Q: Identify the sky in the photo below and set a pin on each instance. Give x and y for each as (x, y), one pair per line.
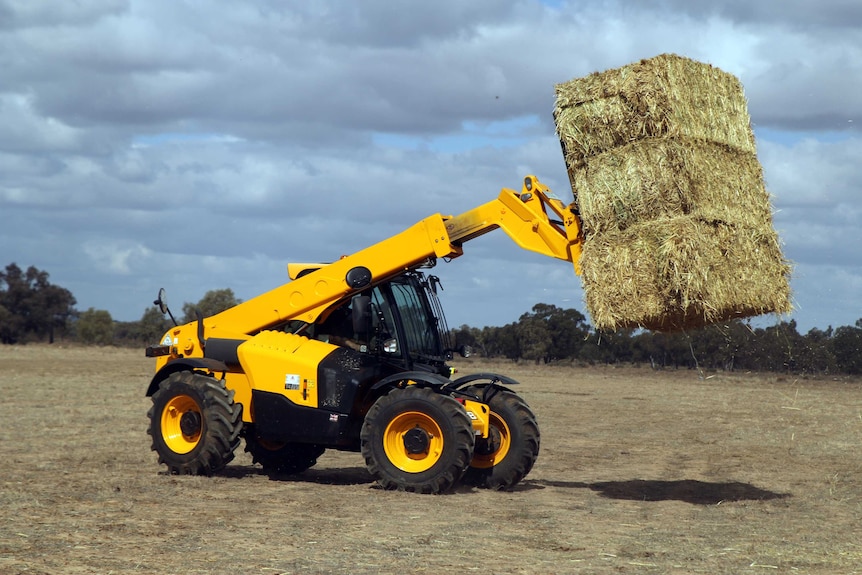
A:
(201, 144)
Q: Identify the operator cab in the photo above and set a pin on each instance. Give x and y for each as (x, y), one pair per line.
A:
(399, 321)
(407, 309)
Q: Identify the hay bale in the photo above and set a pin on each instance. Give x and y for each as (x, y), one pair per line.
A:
(670, 177)
(676, 216)
(681, 273)
(664, 96)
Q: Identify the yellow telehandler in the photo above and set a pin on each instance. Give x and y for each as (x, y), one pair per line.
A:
(352, 355)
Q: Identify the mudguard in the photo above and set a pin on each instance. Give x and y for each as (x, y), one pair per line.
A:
(492, 378)
(185, 364)
(420, 377)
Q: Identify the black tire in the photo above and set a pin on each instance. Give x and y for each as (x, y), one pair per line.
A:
(508, 454)
(415, 439)
(194, 423)
(281, 457)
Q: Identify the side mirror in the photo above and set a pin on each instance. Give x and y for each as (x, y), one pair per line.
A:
(361, 306)
(390, 346)
(463, 351)
(162, 302)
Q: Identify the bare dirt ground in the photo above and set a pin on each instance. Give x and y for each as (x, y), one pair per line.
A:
(639, 472)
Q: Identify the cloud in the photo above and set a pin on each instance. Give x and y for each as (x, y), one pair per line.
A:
(794, 14)
(26, 131)
(202, 146)
(115, 257)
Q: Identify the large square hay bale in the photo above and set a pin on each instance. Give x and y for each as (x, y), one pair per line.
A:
(663, 96)
(669, 177)
(679, 273)
(676, 217)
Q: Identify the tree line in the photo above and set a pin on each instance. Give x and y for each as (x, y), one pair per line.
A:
(34, 310)
(550, 334)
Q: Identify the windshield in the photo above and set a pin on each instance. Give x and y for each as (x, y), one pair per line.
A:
(420, 324)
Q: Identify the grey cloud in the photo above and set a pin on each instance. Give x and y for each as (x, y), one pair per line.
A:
(199, 147)
(28, 131)
(379, 23)
(182, 70)
(26, 14)
(796, 13)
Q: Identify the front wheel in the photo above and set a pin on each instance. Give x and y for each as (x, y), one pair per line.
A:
(194, 423)
(507, 455)
(415, 439)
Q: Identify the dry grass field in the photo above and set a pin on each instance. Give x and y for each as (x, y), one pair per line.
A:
(639, 472)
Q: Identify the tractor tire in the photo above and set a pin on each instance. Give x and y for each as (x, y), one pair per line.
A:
(507, 455)
(415, 439)
(281, 458)
(194, 423)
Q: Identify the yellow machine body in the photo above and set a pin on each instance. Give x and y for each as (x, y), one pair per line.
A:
(290, 388)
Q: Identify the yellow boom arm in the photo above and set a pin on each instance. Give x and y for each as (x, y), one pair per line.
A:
(534, 218)
(525, 218)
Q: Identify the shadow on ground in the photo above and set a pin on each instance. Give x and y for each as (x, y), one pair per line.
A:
(323, 476)
(687, 490)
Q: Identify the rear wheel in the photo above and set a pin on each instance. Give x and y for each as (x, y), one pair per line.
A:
(281, 457)
(415, 439)
(507, 455)
(194, 423)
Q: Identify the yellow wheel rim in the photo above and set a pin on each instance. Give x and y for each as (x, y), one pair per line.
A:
(486, 460)
(178, 408)
(416, 424)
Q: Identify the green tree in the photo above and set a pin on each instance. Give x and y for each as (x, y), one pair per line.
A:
(569, 330)
(152, 326)
(501, 341)
(816, 355)
(35, 307)
(10, 326)
(722, 346)
(661, 349)
(608, 347)
(95, 327)
(599, 348)
(148, 330)
(533, 338)
(775, 347)
(469, 336)
(847, 348)
(213, 302)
